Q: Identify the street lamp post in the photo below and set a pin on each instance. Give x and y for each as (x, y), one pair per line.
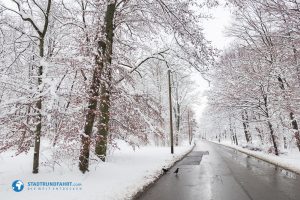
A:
(189, 128)
(171, 114)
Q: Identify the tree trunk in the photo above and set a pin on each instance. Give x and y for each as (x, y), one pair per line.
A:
(273, 138)
(104, 118)
(89, 119)
(189, 128)
(103, 129)
(235, 136)
(246, 126)
(232, 133)
(177, 116)
(292, 116)
(270, 125)
(260, 131)
(296, 129)
(294, 122)
(37, 139)
(260, 134)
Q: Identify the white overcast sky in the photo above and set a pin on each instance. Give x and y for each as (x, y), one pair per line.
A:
(214, 30)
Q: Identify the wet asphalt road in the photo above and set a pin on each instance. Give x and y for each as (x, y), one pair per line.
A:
(224, 174)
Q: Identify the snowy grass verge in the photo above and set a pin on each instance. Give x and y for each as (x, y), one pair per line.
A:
(290, 161)
(125, 175)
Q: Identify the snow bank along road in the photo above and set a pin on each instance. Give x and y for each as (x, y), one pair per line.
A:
(224, 174)
(127, 172)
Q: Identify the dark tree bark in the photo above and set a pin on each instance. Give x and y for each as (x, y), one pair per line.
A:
(177, 119)
(294, 122)
(232, 132)
(296, 129)
(273, 138)
(260, 134)
(90, 118)
(246, 126)
(92, 102)
(104, 118)
(236, 139)
(259, 130)
(99, 91)
(189, 128)
(37, 139)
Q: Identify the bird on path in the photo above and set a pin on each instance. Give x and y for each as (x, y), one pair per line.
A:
(165, 170)
(176, 171)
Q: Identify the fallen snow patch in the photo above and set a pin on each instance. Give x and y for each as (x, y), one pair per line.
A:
(125, 174)
(289, 160)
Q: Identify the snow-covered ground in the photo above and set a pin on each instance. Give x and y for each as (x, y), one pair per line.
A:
(289, 160)
(126, 173)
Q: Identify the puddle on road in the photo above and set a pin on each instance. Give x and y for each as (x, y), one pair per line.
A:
(194, 158)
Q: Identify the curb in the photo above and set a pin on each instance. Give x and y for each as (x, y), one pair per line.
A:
(148, 186)
(283, 166)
